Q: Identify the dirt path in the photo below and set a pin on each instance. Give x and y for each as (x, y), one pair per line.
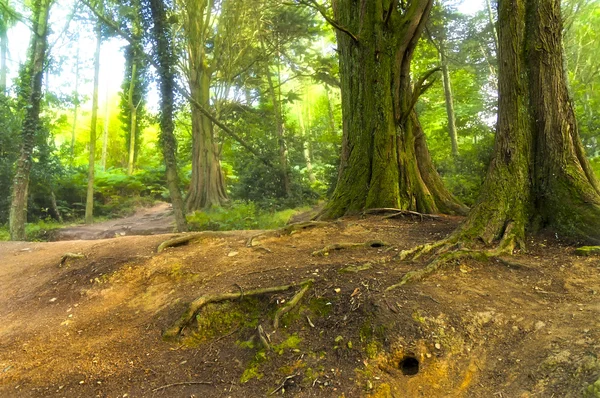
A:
(157, 219)
(91, 327)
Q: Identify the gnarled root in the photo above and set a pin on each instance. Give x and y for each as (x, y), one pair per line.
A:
(449, 250)
(396, 213)
(287, 230)
(341, 246)
(189, 237)
(195, 306)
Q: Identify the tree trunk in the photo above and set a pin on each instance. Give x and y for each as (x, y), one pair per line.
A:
(379, 164)
(105, 132)
(449, 99)
(305, 130)
(207, 185)
(37, 57)
(132, 115)
(539, 176)
(75, 109)
(3, 55)
(166, 73)
(279, 124)
(89, 203)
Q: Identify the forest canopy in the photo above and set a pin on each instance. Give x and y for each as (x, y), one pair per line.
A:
(239, 110)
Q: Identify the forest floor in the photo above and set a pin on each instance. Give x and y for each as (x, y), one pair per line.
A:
(91, 325)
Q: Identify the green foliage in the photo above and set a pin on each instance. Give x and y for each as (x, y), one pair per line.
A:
(239, 215)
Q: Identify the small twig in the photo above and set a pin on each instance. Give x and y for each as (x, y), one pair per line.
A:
(283, 384)
(184, 383)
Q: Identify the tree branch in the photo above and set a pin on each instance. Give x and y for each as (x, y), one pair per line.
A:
(316, 6)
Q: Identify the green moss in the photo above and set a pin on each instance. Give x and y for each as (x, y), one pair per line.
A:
(320, 306)
(291, 343)
(587, 251)
(252, 371)
(216, 320)
(593, 390)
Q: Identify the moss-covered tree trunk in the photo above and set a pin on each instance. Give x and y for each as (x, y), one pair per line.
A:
(379, 163)
(34, 73)
(166, 73)
(539, 176)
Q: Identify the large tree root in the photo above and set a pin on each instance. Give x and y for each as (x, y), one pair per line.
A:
(341, 246)
(397, 213)
(189, 237)
(450, 250)
(287, 230)
(195, 306)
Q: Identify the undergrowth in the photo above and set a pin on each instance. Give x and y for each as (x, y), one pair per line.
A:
(239, 216)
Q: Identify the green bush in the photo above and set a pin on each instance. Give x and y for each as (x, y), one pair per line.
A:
(239, 216)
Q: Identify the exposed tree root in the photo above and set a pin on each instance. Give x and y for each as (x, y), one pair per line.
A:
(401, 213)
(291, 304)
(196, 305)
(287, 230)
(68, 256)
(341, 246)
(187, 238)
(450, 250)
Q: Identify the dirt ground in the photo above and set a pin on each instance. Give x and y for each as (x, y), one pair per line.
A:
(92, 326)
(154, 220)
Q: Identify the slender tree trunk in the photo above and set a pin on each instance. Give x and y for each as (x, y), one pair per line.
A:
(305, 129)
(37, 57)
(132, 114)
(492, 23)
(3, 55)
(89, 203)
(279, 125)
(379, 161)
(166, 62)
(539, 176)
(55, 207)
(75, 109)
(449, 99)
(105, 132)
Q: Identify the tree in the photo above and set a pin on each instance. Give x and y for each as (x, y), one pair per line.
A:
(89, 203)
(384, 160)
(7, 18)
(33, 92)
(539, 175)
(161, 36)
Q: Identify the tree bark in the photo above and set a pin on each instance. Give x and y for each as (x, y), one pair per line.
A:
(89, 203)
(35, 72)
(539, 176)
(379, 162)
(166, 72)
